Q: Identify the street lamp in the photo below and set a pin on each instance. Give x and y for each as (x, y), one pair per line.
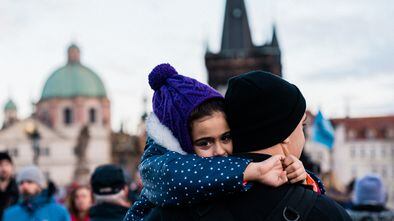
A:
(34, 136)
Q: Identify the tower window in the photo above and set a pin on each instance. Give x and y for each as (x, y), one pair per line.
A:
(68, 116)
(92, 115)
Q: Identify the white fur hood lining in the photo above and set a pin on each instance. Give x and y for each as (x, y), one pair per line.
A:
(162, 135)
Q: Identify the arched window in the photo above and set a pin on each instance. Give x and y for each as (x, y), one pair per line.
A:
(92, 115)
(67, 116)
(45, 117)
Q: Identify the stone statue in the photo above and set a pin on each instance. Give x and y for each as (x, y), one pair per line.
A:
(81, 173)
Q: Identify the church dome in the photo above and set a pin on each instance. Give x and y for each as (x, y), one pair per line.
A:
(73, 79)
(10, 105)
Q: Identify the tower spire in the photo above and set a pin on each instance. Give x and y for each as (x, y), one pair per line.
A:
(236, 32)
(274, 41)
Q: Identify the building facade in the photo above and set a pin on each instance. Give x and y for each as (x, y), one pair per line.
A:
(362, 145)
(69, 133)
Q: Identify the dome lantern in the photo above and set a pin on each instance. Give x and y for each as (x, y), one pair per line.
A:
(73, 54)
(73, 80)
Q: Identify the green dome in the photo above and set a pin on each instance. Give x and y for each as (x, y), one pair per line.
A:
(73, 80)
(10, 105)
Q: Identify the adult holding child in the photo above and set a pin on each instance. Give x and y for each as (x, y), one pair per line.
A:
(186, 160)
(266, 116)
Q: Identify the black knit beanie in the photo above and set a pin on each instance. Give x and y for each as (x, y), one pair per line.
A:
(262, 110)
(5, 156)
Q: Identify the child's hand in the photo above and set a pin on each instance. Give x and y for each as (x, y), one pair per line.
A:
(269, 172)
(294, 168)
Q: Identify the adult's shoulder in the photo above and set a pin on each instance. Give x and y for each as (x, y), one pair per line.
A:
(11, 212)
(256, 202)
(327, 209)
(13, 209)
(210, 210)
(56, 207)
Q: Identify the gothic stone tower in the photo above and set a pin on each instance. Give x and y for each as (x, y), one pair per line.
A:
(238, 54)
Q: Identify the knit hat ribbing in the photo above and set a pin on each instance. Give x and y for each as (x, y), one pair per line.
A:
(175, 97)
(262, 110)
(5, 156)
(31, 173)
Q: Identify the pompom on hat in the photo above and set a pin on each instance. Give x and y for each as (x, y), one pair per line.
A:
(160, 74)
(175, 97)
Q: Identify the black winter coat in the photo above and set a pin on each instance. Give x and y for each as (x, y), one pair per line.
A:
(9, 196)
(255, 204)
(107, 212)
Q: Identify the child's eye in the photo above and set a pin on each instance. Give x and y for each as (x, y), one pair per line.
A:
(226, 137)
(202, 143)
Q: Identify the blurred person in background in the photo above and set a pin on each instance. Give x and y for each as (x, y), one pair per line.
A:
(8, 187)
(79, 203)
(36, 202)
(369, 200)
(110, 193)
(336, 191)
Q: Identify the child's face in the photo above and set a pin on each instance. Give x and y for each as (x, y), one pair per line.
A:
(211, 136)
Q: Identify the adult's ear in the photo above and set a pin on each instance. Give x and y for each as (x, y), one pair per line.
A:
(286, 141)
(285, 146)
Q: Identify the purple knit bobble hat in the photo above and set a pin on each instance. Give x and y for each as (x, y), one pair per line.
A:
(174, 98)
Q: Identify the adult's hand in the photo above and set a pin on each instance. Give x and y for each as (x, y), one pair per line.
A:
(294, 168)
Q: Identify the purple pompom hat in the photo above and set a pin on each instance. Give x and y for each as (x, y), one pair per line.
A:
(175, 97)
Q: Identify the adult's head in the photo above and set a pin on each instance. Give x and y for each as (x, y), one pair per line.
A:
(31, 181)
(6, 166)
(175, 98)
(80, 200)
(369, 190)
(109, 184)
(264, 111)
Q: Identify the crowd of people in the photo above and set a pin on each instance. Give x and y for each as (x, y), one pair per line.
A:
(28, 196)
(195, 167)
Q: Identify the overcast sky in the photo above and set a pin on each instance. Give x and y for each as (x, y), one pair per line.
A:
(340, 53)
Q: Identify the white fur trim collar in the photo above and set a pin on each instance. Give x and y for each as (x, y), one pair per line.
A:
(162, 134)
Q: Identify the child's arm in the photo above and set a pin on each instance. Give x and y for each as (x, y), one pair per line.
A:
(139, 209)
(170, 178)
(173, 179)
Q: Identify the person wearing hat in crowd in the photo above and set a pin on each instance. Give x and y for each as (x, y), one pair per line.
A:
(80, 200)
(188, 132)
(266, 116)
(110, 193)
(8, 187)
(369, 200)
(36, 203)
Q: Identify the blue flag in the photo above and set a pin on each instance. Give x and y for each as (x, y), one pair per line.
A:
(322, 131)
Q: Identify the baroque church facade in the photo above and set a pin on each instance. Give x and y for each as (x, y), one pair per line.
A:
(69, 132)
